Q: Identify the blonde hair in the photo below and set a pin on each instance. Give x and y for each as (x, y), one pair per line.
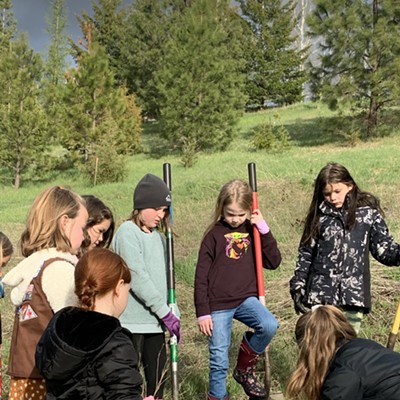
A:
(234, 191)
(319, 334)
(98, 272)
(6, 247)
(43, 228)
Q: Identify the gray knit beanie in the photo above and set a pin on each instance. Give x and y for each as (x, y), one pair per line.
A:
(151, 192)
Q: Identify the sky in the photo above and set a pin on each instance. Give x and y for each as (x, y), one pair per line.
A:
(31, 16)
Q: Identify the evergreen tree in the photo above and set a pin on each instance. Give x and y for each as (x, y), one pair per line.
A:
(359, 58)
(100, 114)
(53, 83)
(274, 64)
(111, 27)
(149, 22)
(7, 25)
(200, 79)
(23, 133)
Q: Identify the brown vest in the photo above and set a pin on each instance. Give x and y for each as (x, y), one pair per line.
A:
(30, 321)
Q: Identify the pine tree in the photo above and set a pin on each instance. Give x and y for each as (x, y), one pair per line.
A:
(149, 22)
(23, 133)
(100, 114)
(274, 64)
(359, 58)
(111, 27)
(53, 83)
(200, 79)
(7, 25)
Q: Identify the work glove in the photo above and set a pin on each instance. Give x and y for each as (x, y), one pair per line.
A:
(173, 324)
(298, 305)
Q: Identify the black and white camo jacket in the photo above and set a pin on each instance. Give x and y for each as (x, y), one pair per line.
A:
(334, 268)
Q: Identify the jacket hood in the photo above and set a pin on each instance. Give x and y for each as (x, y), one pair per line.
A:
(73, 338)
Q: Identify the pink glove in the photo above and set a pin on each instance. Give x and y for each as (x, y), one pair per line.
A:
(173, 324)
(149, 398)
(262, 227)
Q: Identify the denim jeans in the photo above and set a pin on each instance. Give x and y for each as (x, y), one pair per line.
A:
(251, 313)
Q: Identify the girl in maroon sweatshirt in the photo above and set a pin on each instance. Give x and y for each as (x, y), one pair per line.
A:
(226, 288)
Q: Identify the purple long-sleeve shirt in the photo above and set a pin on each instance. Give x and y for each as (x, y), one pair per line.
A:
(226, 272)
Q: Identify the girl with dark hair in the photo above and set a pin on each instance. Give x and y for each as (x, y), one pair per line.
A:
(343, 225)
(100, 225)
(85, 353)
(336, 365)
(6, 251)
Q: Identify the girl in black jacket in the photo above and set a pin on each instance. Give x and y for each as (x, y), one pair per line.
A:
(336, 365)
(84, 352)
(343, 227)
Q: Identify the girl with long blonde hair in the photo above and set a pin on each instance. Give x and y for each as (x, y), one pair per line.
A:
(226, 289)
(43, 282)
(334, 364)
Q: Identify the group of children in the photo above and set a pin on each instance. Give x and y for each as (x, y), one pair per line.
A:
(88, 317)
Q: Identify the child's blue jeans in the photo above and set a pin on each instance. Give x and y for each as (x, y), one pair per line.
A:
(251, 313)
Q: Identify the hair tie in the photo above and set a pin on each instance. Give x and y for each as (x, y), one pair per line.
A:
(313, 308)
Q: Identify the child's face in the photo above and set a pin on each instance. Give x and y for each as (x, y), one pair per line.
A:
(97, 231)
(335, 193)
(74, 229)
(4, 262)
(151, 217)
(234, 215)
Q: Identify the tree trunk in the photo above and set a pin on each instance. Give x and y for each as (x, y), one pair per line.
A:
(372, 117)
(17, 178)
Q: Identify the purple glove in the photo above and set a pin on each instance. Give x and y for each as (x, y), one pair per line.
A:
(173, 325)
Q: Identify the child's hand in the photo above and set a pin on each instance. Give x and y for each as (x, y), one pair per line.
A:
(257, 219)
(256, 216)
(205, 324)
(173, 324)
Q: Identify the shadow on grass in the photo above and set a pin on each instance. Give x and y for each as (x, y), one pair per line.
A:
(305, 131)
(314, 132)
(337, 129)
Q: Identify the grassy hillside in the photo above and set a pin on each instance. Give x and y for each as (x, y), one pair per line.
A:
(284, 185)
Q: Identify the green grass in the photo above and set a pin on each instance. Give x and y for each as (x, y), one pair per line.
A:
(284, 185)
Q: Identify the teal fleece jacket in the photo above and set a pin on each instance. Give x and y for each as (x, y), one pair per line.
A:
(145, 254)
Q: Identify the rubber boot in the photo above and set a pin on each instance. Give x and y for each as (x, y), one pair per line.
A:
(216, 398)
(244, 371)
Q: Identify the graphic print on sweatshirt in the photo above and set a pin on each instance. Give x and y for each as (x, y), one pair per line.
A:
(237, 244)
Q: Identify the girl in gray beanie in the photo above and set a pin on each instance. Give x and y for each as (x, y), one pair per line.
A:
(141, 243)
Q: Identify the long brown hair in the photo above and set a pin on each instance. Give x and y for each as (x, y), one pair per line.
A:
(98, 272)
(98, 212)
(335, 173)
(234, 191)
(43, 227)
(319, 334)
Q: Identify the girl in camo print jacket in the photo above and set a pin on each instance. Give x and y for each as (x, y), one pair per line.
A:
(343, 225)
